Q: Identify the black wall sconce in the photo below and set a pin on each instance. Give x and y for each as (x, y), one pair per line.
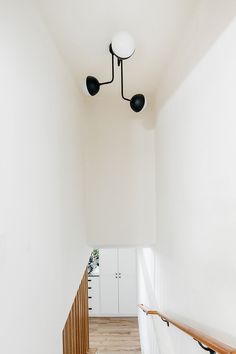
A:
(122, 47)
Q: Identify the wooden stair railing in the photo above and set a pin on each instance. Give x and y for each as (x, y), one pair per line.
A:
(76, 330)
(206, 342)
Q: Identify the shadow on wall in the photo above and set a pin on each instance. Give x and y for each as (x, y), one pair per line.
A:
(119, 172)
(154, 335)
(149, 115)
(106, 102)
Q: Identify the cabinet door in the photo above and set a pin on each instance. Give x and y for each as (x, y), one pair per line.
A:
(108, 281)
(127, 281)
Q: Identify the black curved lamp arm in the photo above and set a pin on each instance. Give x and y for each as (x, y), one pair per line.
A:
(112, 70)
(122, 85)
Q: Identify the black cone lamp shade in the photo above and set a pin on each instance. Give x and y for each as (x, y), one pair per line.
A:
(137, 102)
(92, 85)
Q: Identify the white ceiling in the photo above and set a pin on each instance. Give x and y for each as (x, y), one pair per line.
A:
(83, 30)
(171, 37)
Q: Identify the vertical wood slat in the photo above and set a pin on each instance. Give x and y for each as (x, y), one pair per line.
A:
(76, 330)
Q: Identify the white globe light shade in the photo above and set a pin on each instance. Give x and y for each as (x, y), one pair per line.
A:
(123, 45)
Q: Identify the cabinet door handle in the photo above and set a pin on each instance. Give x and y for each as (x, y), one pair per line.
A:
(90, 297)
(89, 287)
(90, 308)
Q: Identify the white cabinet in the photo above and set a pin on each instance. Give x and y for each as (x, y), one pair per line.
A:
(118, 281)
(93, 295)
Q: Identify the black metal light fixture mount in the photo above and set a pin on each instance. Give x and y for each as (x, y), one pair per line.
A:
(122, 47)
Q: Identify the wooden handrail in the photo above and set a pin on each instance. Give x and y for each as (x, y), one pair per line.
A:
(212, 343)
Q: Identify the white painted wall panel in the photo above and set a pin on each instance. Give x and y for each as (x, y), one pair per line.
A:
(120, 173)
(196, 204)
(43, 251)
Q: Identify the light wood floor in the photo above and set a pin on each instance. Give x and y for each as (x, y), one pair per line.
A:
(114, 335)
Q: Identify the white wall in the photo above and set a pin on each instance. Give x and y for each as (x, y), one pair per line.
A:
(120, 172)
(196, 204)
(42, 234)
(209, 19)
